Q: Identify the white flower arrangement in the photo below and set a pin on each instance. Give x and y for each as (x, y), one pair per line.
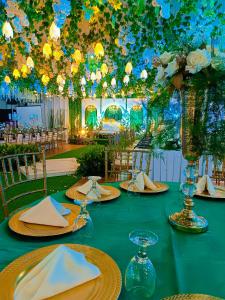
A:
(172, 65)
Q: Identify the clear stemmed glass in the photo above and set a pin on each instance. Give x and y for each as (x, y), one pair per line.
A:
(131, 188)
(140, 276)
(84, 215)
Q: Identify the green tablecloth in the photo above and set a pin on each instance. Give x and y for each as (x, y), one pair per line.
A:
(185, 263)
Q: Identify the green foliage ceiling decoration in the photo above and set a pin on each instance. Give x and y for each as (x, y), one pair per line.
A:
(80, 48)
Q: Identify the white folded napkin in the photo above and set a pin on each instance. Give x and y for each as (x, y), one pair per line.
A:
(205, 183)
(143, 181)
(86, 190)
(44, 213)
(58, 272)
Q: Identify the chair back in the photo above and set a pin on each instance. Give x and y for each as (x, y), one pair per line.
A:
(119, 162)
(218, 174)
(19, 169)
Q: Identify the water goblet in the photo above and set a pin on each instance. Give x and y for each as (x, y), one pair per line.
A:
(84, 216)
(140, 275)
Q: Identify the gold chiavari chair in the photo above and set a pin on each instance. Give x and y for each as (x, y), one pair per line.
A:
(119, 162)
(17, 174)
(218, 174)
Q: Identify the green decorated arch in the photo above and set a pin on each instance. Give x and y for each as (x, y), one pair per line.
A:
(91, 116)
(113, 112)
(136, 117)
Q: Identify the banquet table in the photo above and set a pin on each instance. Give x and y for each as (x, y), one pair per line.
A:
(185, 263)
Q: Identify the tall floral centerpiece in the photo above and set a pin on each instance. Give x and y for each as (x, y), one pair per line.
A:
(195, 74)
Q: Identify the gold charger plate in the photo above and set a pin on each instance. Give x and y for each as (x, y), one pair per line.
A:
(72, 193)
(106, 286)
(162, 187)
(36, 230)
(220, 193)
(192, 297)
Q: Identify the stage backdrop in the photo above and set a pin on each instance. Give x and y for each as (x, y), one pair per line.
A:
(111, 114)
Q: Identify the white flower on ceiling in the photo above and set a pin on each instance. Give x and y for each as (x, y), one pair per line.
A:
(54, 31)
(7, 30)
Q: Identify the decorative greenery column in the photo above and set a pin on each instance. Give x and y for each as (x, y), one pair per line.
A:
(74, 116)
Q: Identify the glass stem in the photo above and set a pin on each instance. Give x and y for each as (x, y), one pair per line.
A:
(142, 254)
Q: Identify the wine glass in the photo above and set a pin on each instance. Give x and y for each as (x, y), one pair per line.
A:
(132, 188)
(84, 216)
(140, 275)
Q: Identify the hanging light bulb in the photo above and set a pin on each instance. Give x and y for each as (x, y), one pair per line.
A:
(77, 56)
(84, 94)
(7, 30)
(98, 76)
(99, 50)
(57, 54)
(144, 74)
(7, 79)
(83, 81)
(93, 76)
(113, 82)
(61, 88)
(45, 79)
(47, 50)
(105, 85)
(74, 68)
(54, 32)
(30, 62)
(24, 70)
(104, 69)
(16, 73)
(60, 80)
(128, 68)
(126, 79)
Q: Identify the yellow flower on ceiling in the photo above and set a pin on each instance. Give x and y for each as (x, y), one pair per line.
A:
(47, 50)
(116, 4)
(24, 69)
(7, 30)
(45, 79)
(99, 50)
(104, 69)
(74, 68)
(117, 42)
(96, 10)
(77, 56)
(16, 73)
(57, 54)
(7, 79)
(54, 31)
(128, 68)
(30, 62)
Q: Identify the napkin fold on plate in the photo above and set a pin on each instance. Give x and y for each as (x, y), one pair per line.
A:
(143, 181)
(61, 270)
(205, 184)
(86, 190)
(46, 212)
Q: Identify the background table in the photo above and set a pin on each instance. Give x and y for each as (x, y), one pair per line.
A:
(185, 263)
